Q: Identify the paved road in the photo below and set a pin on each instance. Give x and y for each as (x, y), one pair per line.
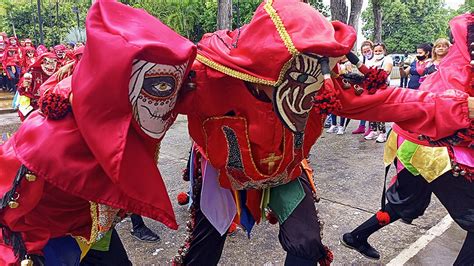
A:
(349, 177)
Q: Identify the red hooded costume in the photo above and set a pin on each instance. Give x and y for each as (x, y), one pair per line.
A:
(40, 70)
(11, 58)
(82, 175)
(454, 71)
(27, 61)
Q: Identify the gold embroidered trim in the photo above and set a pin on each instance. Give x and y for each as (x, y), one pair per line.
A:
(157, 152)
(280, 28)
(95, 226)
(233, 73)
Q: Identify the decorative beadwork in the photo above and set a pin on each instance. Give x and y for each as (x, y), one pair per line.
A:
(191, 223)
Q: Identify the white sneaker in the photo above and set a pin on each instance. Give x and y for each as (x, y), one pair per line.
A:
(371, 135)
(340, 130)
(381, 138)
(332, 129)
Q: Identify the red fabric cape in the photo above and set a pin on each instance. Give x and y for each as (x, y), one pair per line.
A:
(454, 71)
(113, 161)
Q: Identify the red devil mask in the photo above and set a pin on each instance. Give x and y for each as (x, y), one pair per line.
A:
(47, 62)
(60, 51)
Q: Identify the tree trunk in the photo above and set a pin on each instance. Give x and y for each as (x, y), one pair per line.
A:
(356, 8)
(339, 10)
(377, 9)
(354, 18)
(224, 14)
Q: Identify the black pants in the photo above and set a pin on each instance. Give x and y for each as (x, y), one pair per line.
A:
(410, 195)
(403, 82)
(299, 235)
(115, 256)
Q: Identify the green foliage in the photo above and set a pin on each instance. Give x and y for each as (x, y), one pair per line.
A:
(193, 18)
(407, 23)
(58, 17)
(318, 4)
(190, 18)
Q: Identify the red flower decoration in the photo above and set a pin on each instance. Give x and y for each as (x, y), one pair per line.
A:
(383, 217)
(54, 106)
(375, 79)
(326, 100)
(183, 198)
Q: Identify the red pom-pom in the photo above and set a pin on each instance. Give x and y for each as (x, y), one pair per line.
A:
(328, 259)
(183, 198)
(375, 79)
(232, 228)
(271, 218)
(326, 100)
(382, 217)
(54, 106)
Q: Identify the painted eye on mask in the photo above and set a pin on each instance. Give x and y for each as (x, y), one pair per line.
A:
(302, 78)
(163, 86)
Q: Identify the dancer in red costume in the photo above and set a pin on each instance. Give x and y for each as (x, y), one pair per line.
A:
(12, 65)
(261, 94)
(59, 175)
(44, 66)
(28, 57)
(422, 168)
(60, 51)
(3, 71)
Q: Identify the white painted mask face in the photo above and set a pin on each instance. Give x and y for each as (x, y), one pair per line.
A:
(49, 65)
(153, 91)
(293, 98)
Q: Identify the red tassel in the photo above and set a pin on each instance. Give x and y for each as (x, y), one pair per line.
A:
(382, 217)
(271, 218)
(328, 259)
(54, 106)
(183, 198)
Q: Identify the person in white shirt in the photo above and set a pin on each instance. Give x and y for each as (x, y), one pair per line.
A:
(379, 60)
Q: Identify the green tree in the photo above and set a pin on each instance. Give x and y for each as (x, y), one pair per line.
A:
(190, 18)
(407, 23)
(57, 16)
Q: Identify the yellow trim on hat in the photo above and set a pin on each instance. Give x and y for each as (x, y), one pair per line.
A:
(233, 73)
(243, 76)
(281, 28)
